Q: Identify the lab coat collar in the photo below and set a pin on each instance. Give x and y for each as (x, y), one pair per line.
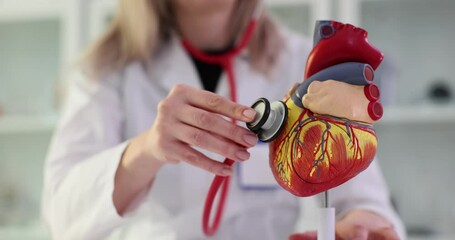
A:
(172, 65)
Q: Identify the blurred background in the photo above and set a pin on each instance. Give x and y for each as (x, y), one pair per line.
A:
(40, 38)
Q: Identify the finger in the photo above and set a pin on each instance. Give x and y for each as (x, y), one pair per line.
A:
(387, 233)
(206, 140)
(180, 151)
(351, 232)
(218, 125)
(315, 87)
(311, 101)
(311, 235)
(306, 101)
(214, 103)
(290, 91)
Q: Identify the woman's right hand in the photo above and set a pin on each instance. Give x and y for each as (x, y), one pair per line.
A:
(190, 117)
(186, 118)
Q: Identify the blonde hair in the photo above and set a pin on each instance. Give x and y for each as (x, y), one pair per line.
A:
(140, 26)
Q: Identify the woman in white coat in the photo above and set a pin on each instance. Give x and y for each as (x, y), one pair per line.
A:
(136, 107)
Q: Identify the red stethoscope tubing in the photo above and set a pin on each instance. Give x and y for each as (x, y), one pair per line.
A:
(221, 182)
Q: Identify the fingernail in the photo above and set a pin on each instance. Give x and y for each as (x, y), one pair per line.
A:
(243, 155)
(226, 171)
(249, 113)
(250, 139)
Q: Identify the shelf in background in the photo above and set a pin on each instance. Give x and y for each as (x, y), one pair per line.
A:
(418, 114)
(27, 124)
(35, 231)
(26, 11)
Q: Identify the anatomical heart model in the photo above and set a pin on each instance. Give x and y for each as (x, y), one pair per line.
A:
(313, 153)
(309, 152)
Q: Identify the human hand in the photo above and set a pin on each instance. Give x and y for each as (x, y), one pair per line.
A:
(357, 225)
(190, 117)
(336, 98)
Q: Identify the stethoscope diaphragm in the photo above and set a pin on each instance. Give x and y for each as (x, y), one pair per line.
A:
(270, 119)
(262, 108)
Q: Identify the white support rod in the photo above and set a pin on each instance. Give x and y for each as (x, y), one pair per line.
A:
(326, 221)
(99, 12)
(349, 12)
(72, 30)
(326, 224)
(320, 10)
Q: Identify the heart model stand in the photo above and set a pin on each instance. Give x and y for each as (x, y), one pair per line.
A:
(326, 221)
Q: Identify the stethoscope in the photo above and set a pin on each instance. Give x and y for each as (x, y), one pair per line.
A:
(264, 123)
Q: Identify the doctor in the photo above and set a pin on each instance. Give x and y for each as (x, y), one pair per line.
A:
(140, 138)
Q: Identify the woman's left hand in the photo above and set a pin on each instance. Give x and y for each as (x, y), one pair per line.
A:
(357, 225)
(336, 98)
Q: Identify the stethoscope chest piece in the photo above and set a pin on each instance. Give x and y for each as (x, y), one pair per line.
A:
(270, 119)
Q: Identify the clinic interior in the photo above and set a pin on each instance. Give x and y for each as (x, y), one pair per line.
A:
(40, 39)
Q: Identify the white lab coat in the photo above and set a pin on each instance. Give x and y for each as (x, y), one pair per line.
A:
(100, 116)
